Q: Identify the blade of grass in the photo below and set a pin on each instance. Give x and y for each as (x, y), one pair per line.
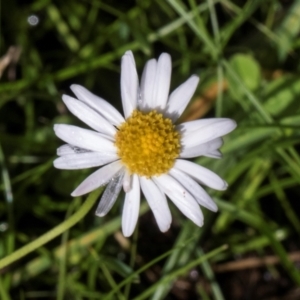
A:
(133, 253)
(291, 216)
(145, 267)
(209, 274)
(201, 31)
(255, 102)
(256, 221)
(102, 60)
(245, 13)
(181, 271)
(53, 233)
(3, 291)
(75, 249)
(8, 195)
(62, 28)
(62, 282)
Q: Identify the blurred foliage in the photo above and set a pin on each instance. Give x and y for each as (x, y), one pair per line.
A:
(247, 54)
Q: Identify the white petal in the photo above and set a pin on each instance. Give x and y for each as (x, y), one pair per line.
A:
(180, 98)
(65, 150)
(110, 194)
(191, 126)
(129, 84)
(195, 189)
(201, 174)
(89, 116)
(100, 105)
(84, 160)
(70, 149)
(127, 181)
(131, 207)
(84, 138)
(180, 197)
(157, 202)
(206, 149)
(210, 131)
(98, 178)
(162, 81)
(214, 154)
(147, 85)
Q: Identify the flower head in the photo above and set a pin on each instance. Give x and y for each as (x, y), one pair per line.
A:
(145, 150)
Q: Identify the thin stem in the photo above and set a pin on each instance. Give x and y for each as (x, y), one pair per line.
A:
(132, 260)
(63, 260)
(8, 195)
(3, 293)
(50, 235)
(217, 38)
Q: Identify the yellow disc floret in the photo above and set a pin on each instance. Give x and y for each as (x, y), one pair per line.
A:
(148, 143)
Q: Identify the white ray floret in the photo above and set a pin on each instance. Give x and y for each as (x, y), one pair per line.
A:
(131, 207)
(110, 194)
(147, 85)
(180, 197)
(214, 154)
(201, 174)
(157, 202)
(84, 138)
(195, 189)
(206, 149)
(98, 178)
(84, 160)
(89, 116)
(130, 170)
(162, 81)
(127, 182)
(129, 84)
(104, 108)
(66, 150)
(218, 128)
(180, 98)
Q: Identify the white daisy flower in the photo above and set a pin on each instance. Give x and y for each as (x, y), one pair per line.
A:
(144, 149)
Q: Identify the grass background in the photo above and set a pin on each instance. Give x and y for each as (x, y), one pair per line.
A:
(247, 55)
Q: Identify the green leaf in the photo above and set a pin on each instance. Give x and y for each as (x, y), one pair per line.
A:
(247, 68)
(282, 95)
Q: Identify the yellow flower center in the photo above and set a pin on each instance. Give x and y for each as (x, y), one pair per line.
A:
(148, 143)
